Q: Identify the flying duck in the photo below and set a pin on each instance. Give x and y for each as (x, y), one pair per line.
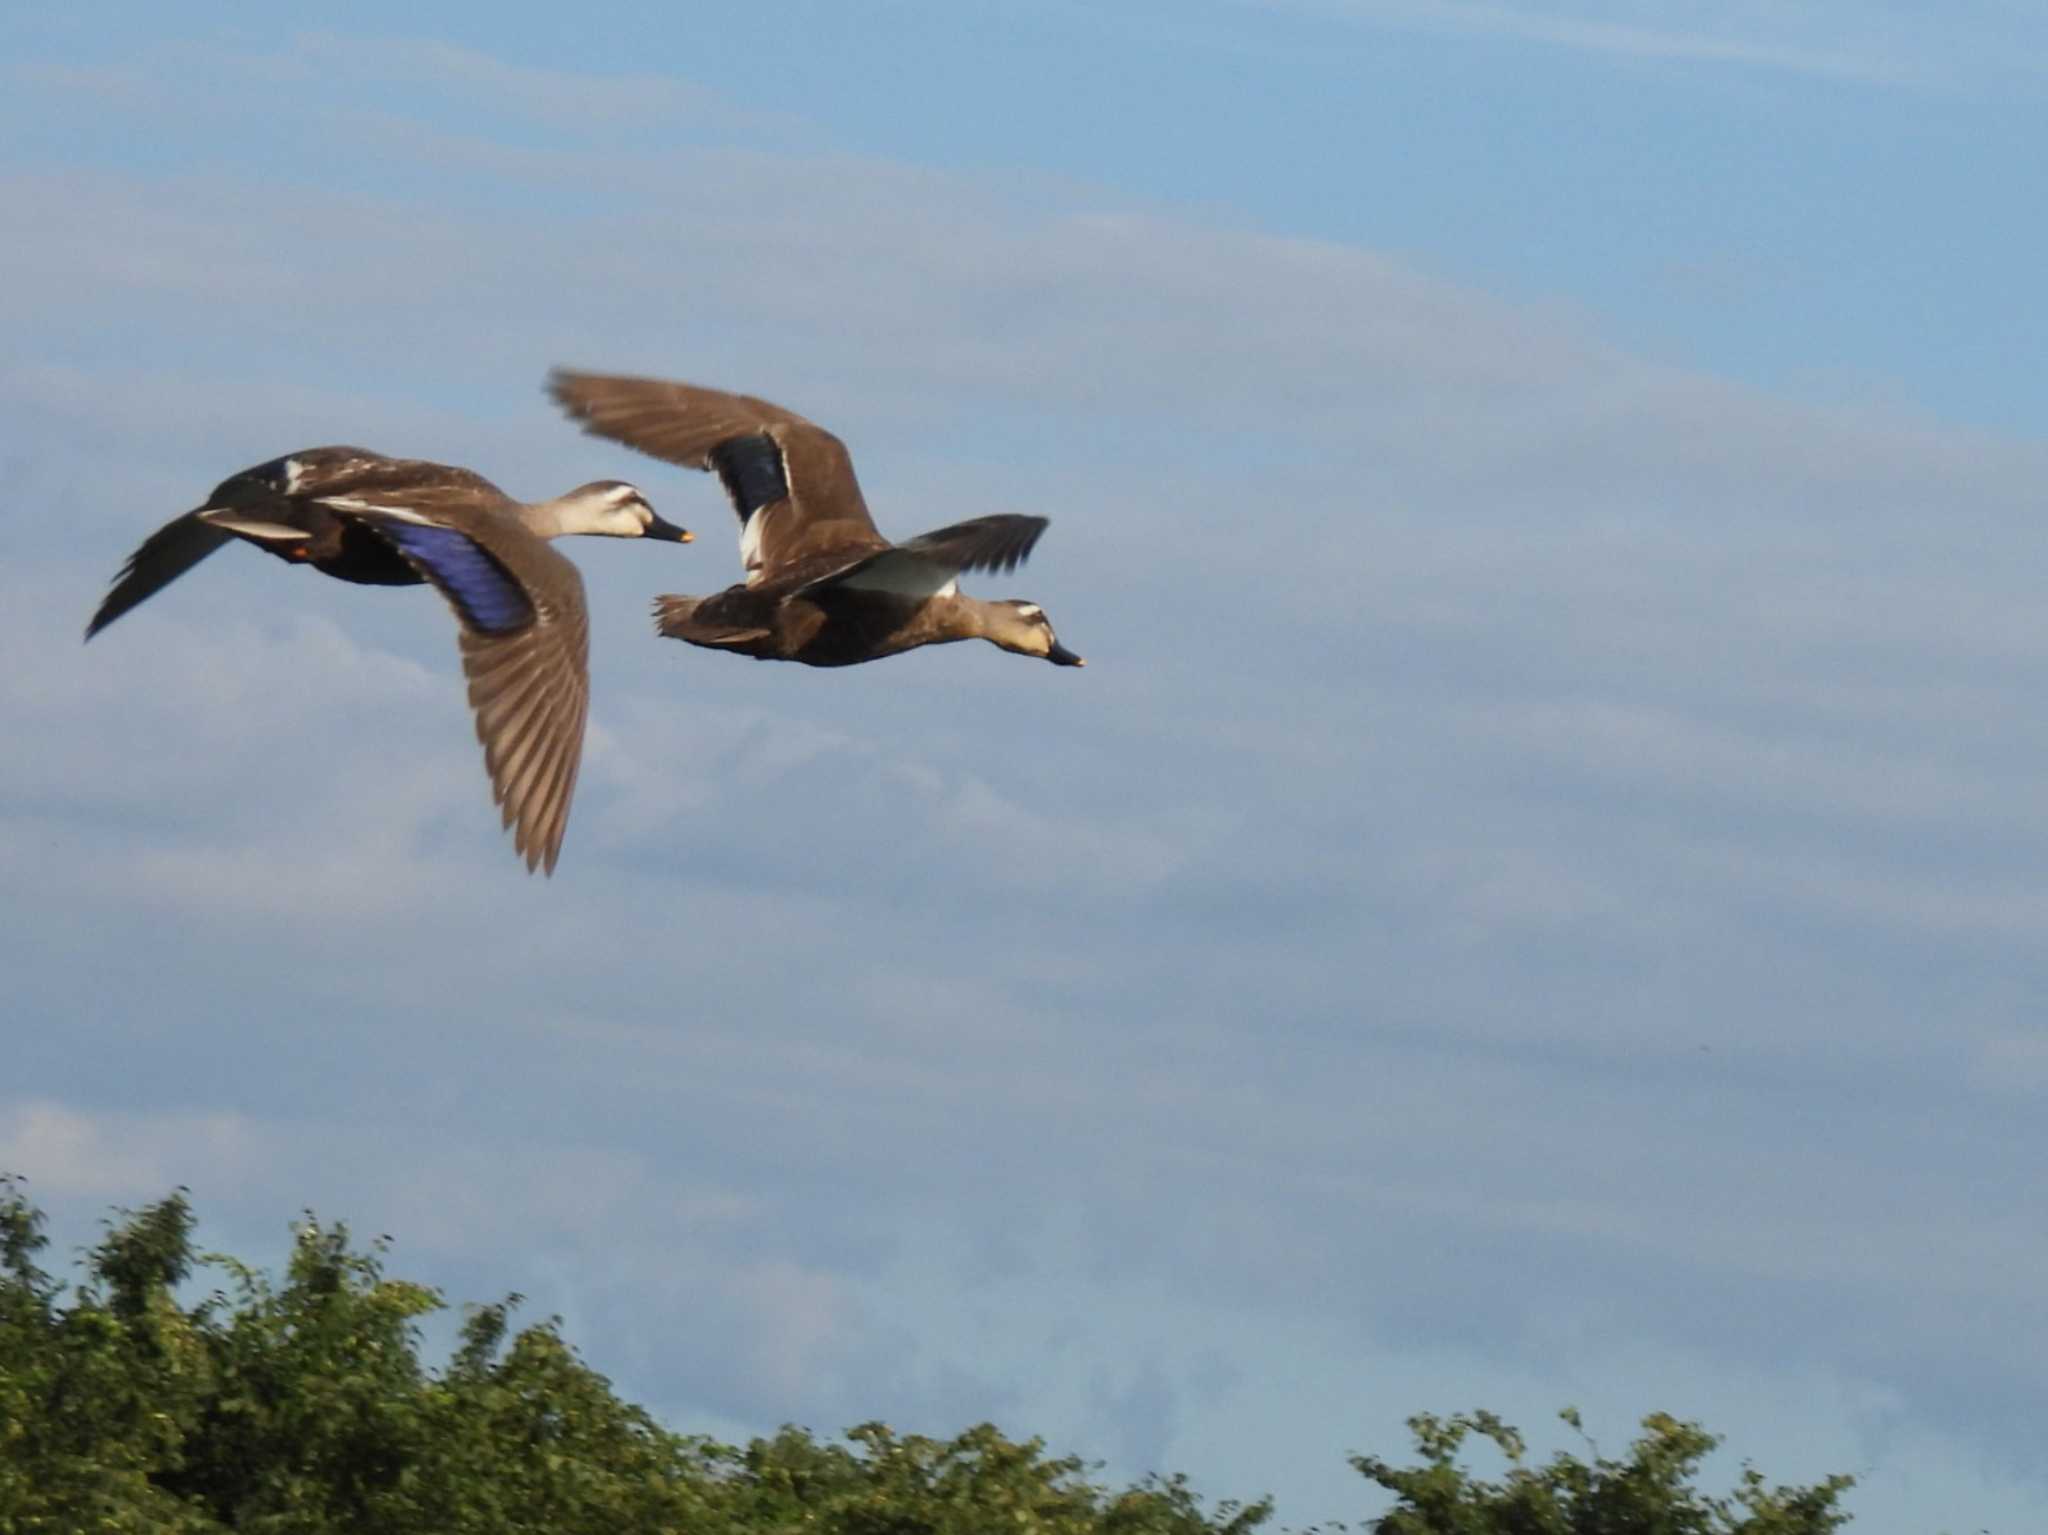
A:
(822, 586)
(524, 631)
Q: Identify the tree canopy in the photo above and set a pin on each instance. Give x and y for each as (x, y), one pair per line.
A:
(1649, 1491)
(301, 1406)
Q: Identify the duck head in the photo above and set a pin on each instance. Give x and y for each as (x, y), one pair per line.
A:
(616, 510)
(1024, 628)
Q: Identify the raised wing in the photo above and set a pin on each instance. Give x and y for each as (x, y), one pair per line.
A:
(164, 556)
(525, 637)
(791, 481)
(265, 491)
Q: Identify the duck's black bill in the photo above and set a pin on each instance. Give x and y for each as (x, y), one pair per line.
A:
(1059, 655)
(657, 528)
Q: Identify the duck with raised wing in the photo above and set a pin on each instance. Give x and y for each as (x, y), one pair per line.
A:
(822, 586)
(524, 630)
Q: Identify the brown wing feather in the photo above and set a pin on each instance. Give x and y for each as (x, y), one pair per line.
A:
(530, 686)
(441, 493)
(531, 693)
(682, 423)
(998, 543)
(679, 422)
(825, 509)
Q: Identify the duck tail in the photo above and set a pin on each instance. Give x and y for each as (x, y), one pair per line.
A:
(672, 615)
(676, 618)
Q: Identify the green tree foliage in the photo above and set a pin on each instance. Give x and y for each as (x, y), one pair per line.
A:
(1648, 1493)
(302, 1407)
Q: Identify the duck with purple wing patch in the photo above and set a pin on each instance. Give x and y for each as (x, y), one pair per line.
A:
(822, 586)
(519, 607)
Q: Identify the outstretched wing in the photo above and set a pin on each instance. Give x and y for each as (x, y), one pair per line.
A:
(1000, 543)
(164, 556)
(791, 481)
(525, 638)
(928, 565)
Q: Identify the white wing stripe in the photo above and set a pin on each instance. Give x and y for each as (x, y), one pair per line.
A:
(353, 504)
(250, 527)
(750, 540)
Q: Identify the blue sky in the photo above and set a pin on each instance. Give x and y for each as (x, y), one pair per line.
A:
(1535, 899)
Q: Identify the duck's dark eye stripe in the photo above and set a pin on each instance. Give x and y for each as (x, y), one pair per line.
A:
(482, 590)
(751, 468)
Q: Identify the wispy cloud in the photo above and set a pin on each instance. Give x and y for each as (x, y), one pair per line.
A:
(1877, 44)
(1650, 37)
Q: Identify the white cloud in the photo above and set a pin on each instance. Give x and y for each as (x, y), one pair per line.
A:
(1638, 31)
(564, 98)
(1878, 43)
(68, 1153)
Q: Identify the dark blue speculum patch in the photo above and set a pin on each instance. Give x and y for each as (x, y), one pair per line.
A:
(482, 590)
(751, 468)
